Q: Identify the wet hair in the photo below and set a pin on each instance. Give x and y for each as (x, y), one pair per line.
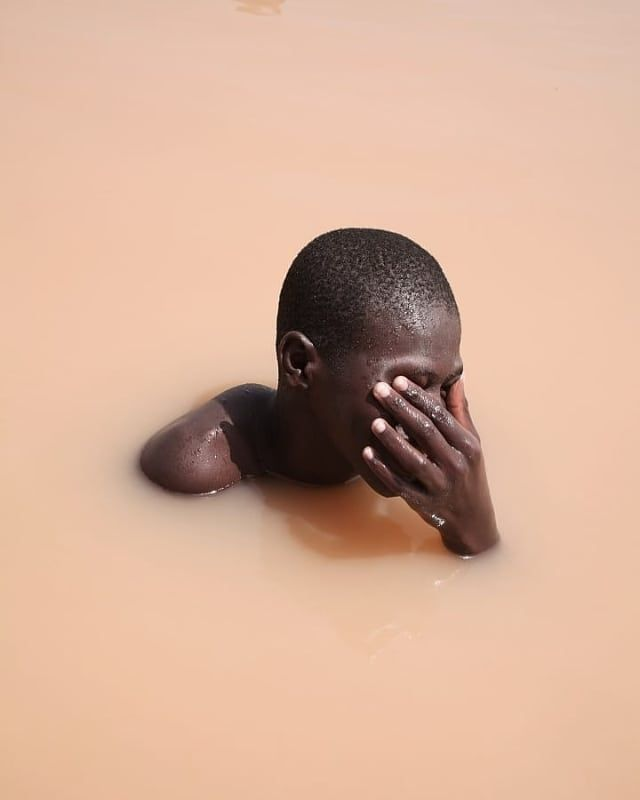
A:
(344, 279)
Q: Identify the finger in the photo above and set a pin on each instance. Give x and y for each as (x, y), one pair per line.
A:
(424, 432)
(384, 473)
(410, 460)
(454, 432)
(458, 405)
(410, 492)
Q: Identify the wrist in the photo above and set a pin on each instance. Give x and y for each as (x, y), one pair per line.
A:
(470, 537)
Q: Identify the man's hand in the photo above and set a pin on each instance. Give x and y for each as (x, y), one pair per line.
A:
(443, 475)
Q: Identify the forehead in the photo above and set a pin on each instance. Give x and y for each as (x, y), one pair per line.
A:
(433, 346)
(437, 336)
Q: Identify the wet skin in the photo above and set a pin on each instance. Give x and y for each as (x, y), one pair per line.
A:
(394, 413)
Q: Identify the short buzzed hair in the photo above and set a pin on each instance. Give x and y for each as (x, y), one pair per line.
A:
(346, 278)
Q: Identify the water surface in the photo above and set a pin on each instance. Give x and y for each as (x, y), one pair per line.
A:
(162, 164)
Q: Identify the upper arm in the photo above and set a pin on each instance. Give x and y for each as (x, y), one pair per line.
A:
(203, 451)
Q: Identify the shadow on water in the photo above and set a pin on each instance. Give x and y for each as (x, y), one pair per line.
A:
(368, 566)
(348, 521)
(263, 8)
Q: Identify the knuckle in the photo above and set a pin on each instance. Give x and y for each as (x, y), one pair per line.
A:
(460, 464)
(438, 413)
(473, 449)
(398, 403)
(411, 392)
(418, 399)
(441, 482)
(425, 469)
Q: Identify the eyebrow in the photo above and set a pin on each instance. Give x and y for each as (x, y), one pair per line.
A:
(432, 375)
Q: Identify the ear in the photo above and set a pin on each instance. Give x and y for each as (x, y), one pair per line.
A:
(298, 360)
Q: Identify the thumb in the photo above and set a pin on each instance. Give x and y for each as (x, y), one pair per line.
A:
(458, 405)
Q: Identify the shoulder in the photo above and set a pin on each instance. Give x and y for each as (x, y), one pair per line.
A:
(213, 446)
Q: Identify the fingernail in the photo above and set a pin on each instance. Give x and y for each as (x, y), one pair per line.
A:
(401, 383)
(382, 389)
(377, 426)
(368, 453)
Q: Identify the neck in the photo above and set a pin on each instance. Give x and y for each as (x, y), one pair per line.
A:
(297, 448)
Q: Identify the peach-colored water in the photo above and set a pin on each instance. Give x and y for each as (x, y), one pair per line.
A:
(162, 164)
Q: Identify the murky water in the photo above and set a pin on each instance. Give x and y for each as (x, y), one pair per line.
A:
(163, 163)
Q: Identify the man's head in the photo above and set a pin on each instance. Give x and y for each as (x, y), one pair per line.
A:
(359, 305)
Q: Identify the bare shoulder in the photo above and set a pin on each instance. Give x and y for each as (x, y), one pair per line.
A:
(212, 447)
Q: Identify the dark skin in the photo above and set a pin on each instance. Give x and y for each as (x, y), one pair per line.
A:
(394, 413)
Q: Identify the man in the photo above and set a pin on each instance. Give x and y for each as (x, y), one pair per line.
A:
(369, 384)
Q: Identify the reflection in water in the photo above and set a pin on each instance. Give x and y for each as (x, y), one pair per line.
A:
(349, 521)
(350, 524)
(265, 8)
